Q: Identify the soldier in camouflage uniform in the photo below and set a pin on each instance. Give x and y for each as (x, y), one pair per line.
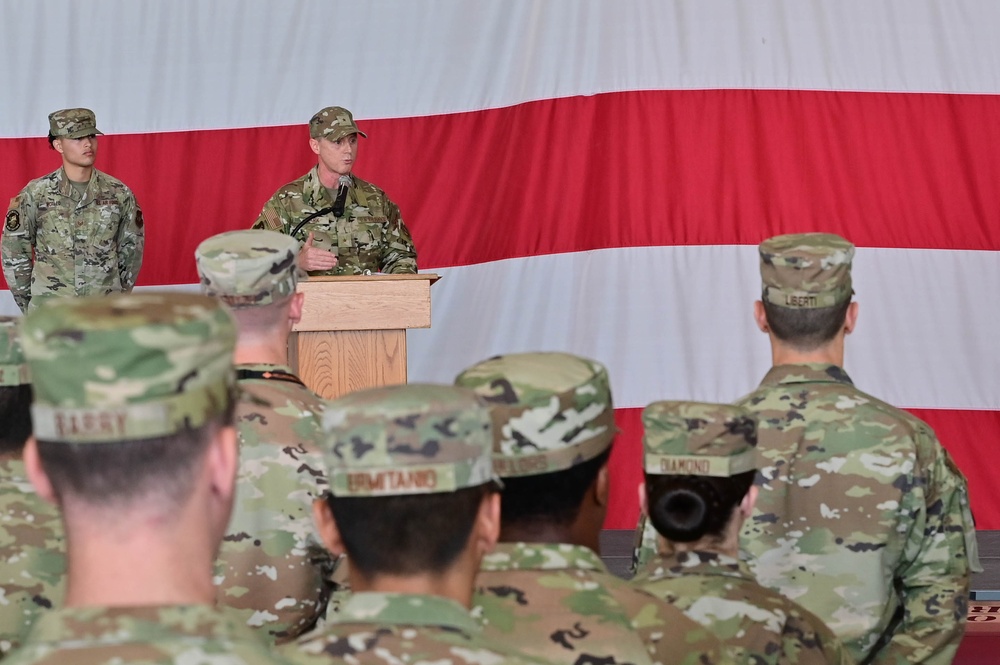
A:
(32, 559)
(272, 567)
(545, 586)
(133, 399)
(413, 502)
(350, 227)
(700, 463)
(76, 231)
(863, 517)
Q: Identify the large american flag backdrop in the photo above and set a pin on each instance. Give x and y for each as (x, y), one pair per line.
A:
(587, 176)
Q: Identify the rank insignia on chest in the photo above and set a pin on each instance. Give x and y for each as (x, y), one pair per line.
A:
(13, 220)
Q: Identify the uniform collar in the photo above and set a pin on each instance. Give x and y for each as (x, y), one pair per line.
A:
(679, 564)
(314, 193)
(542, 556)
(405, 609)
(265, 367)
(806, 373)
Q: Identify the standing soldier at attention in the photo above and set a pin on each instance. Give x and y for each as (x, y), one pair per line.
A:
(350, 227)
(272, 567)
(76, 231)
(545, 588)
(863, 516)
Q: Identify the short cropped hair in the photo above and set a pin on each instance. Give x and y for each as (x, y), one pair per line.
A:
(15, 417)
(549, 498)
(806, 329)
(261, 319)
(687, 508)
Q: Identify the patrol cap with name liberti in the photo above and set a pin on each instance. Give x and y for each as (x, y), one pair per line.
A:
(127, 367)
(551, 411)
(73, 124)
(334, 123)
(13, 368)
(407, 439)
(806, 270)
(248, 268)
(698, 439)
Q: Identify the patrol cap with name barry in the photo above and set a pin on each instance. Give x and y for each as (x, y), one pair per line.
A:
(551, 411)
(334, 123)
(13, 368)
(806, 270)
(698, 439)
(127, 367)
(407, 439)
(73, 124)
(248, 268)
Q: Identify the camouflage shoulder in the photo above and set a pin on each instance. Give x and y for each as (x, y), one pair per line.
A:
(108, 181)
(369, 188)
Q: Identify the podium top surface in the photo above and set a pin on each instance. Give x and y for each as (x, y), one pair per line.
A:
(366, 302)
(378, 277)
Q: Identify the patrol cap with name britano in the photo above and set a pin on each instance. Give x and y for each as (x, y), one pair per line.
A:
(13, 368)
(407, 439)
(551, 411)
(334, 123)
(248, 268)
(806, 270)
(73, 124)
(698, 439)
(127, 367)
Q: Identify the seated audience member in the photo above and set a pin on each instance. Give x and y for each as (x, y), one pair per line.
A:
(700, 464)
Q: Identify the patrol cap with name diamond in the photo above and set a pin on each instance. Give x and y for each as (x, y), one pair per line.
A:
(73, 124)
(13, 368)
(407, 439)
(248, 268)
(334, 123)
(806, 270)
(551, 411)
(698, 439)
(128, 367)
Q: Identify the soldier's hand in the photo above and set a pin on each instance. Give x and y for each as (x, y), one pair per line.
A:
(312, 258)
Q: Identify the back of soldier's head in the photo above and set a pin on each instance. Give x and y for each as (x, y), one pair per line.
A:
(15, 389)
(408, 468)
(127, 389)
(553, 429)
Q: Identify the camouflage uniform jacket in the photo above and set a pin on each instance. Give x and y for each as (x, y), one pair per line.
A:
(862, 516)
(559, 602)
(272, 568)
(382, 628)
(147, 635)
(32, 554)
(89, 245)
(756, 624)
(370, 236)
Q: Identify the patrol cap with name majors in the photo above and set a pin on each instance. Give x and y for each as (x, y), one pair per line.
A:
(698, 439)
(73, 124)
(551, 411)
(13, 368)
(407, 439)
(248, 268)
(806, 270)
(334, 123)
(127, 367)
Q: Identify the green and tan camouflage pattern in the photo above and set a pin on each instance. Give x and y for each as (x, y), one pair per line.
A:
(195, 634)
(698, 439)
(755, 624)
(128, 366)
(806, 270)
(13, 367)
(369, 238)
(407, 439)
(57, 242)
(861, 514)
(73, 124)
(272, 566)
(551, 411)
(32, 554)
(390, 629)
(333, 123)
(559, 603)
(248, 268)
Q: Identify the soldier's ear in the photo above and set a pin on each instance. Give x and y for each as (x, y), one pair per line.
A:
(36, 472)
(314, 146)
(57, 144)
(643, 501)
(295, 308)
(749, 501)
(487, 528)
(851, 319)
(602, 486)
(760, 316)
(326, 526)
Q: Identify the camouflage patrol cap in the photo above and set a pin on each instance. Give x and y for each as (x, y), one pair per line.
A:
(551, 411)
(248, 268)
(126, 367)
(806, 270)
(73, 124)
(698, 439)
(408, 439)
(334, 123)
(13, 369)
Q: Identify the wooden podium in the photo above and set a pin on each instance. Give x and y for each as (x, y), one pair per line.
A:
(353, 330)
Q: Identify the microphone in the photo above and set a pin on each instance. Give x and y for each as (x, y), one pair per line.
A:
(344, 184)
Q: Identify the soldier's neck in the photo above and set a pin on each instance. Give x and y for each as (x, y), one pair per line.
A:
(78, 173)
(831, 353)
(549, 534)
(455, 584)
(260, 353)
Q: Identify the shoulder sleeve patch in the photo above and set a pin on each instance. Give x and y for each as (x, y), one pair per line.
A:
(13, 220)
(138, 218)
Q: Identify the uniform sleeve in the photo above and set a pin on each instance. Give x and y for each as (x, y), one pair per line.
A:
(17, 248)
(398, 254)
(131, 241)
(272, 218)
